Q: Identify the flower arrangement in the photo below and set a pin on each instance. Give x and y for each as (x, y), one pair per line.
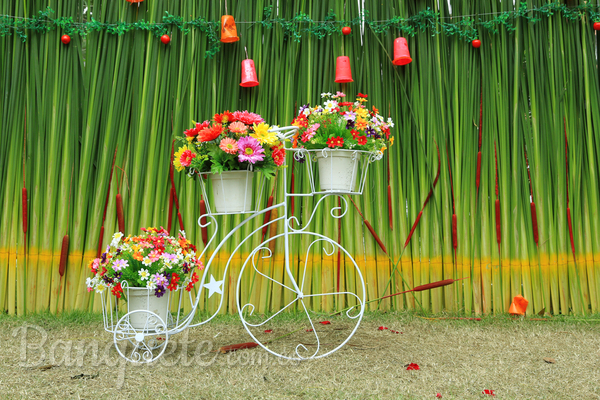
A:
(343, 125)
(152, 260)
(231, 141)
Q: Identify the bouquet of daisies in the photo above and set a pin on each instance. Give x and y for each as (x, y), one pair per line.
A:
(152, 260)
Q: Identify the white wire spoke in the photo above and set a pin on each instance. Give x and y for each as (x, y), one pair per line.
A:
(315, 333)
(260, 273)
(268, 319)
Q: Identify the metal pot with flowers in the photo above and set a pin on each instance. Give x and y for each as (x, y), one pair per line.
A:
(343, 137)
(143, 270)
(230, 148)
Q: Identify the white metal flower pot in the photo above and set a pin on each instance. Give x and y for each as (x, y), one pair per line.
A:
(145, 300)
(337, 170)
(232, 191)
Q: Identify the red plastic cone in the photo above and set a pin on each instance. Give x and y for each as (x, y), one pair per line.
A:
(401, 53)
(342, 70)
(249, 78)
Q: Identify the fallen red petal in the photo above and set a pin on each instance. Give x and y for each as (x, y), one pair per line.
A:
(412, 367)
(325, 322)
(490, 392)
(269, 331)
(309, 330)
(438, 395)
(381, 328)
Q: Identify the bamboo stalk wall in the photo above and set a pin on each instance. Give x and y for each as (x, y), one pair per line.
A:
(66, 110)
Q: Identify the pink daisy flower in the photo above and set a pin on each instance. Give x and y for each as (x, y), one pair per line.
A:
(186, 158)
(250, 150)
(228, 145)
(238, 127)
(248, 118)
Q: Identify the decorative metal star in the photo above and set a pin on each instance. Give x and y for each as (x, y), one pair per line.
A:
(213, 286)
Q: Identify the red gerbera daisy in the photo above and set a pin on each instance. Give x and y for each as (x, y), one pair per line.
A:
(335, 142)
(224, 118)
(208, 134)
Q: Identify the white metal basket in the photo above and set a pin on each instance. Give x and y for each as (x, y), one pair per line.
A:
(233, 192)
(336, 171)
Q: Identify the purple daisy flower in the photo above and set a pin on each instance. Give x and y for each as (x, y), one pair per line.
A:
(159, 291)
(250, 150)
(120, 264)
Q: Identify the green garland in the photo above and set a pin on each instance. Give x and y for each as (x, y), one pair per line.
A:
(427, 20)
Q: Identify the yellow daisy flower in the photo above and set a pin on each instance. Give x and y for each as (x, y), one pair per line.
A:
(262, 134)
(177, 158)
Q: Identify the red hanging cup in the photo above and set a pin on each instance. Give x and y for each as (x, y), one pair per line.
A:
(249, 78)
(401, 53)
(342, 70)
(228, 29)
(134, 1)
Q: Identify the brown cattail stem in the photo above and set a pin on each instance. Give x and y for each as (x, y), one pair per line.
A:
(180, 221)
(292, 187)
(498, 222)
(112, 168)
(571, 231)
(273, 230)
(369, 227)
(24, 205)
(534, 223)
(170, 215)
(412, 230)
(390, 215)
(64, 252)
(420, 288)
(478, 175)
(235, 347)
(203, 229)
(267, 217)
(339, 254)
(120, 216)
(389, 193)
(100, 242)
(567, 186)
(454, 237)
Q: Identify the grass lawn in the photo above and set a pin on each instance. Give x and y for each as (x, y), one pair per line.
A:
(71, 356)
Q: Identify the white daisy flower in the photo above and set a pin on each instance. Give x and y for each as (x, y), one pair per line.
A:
(144, 274)
(116, 239)
(100, 288)
(151, 284)
(390, 122)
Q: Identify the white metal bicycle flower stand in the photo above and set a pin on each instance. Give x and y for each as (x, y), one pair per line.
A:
(149, 338)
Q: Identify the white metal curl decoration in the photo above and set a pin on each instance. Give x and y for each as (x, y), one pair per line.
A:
(343, 211)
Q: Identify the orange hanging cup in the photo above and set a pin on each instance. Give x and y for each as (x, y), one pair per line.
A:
(134, 1)
(401, 53)
(228, 29)
(342, 70)
(249, 78)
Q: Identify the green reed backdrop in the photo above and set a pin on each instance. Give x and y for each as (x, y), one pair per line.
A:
(526, 101)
